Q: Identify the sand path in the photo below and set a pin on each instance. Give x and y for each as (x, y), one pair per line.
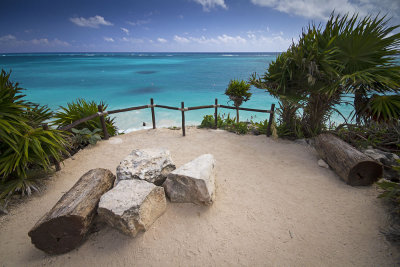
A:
(274, 207)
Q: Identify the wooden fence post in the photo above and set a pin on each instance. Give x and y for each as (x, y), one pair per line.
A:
(56, 163)
(183, 118)
(153, 115)
(271, 118)
(103, 123)
(216, 113)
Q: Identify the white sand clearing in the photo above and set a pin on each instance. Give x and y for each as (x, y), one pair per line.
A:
(274, 207)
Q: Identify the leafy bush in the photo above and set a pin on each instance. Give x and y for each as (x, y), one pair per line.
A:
(24, 145)
(230, 125)
(209, 122)
(84, 137)
(241, 127)
(381, 136)
(81, 109)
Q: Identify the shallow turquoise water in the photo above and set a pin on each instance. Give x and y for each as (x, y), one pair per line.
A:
(126, 79)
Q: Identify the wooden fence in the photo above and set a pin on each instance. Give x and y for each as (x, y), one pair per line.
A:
(183, 109)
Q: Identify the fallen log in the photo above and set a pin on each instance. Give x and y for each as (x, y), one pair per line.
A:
(65, 226)
(354, 167)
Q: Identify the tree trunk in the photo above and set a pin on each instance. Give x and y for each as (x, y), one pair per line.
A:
(65, 226)
(354, 167)
(237, 114)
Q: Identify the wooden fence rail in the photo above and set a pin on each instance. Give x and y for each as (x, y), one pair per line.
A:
(183, 109)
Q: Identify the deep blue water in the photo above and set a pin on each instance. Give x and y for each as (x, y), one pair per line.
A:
(131, 79)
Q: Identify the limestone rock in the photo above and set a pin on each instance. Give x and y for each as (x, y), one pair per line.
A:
(193, 182)
(151, 165)
(323, 164)
(132, 206)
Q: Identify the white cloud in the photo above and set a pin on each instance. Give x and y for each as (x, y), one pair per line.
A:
(252, 42)
(231, 39)
(221, 39)
(161, 40)
(321, 9)
(43, 41)
(132, 40)
(108, 39)
(182, 40)
(11, 40)
(92, 22)
(210, 4)
(7, 38)
(139, 22)
(125, 30)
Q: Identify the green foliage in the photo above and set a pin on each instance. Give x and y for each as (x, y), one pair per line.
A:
(348, 55)
(261, 127)
(81, 109)
(85, 137)
(391, 190)
(209, 122)
(384, 108)
(230, 124)
(238, 92)
(23, 144)
(381, 136)
(241, 127)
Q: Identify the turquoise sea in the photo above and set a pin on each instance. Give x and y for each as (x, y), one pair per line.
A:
(131, 79)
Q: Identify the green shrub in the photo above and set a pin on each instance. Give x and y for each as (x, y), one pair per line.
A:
(84, 137)
(261, 127)
(81, 109)
(241, 127)
(227, 124)
(24, 146)
(209, 122)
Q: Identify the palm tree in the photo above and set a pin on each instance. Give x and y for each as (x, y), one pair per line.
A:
(367, 50)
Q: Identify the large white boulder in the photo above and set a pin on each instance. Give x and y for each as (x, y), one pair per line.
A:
(151, 165)
(193, 182)
(132, 206)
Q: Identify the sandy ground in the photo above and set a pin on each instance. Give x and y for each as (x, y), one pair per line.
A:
(274, 207)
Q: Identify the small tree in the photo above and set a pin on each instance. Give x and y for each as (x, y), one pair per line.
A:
(238, 92)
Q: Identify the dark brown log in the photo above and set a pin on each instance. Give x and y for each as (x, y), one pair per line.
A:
(183, 118)
(103, 123)
(65, 226)
(153, 115)
(271, 118)
(354, 167)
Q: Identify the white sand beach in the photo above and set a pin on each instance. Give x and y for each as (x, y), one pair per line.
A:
(274, 207)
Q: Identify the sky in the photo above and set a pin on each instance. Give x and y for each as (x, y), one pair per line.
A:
(169, 25)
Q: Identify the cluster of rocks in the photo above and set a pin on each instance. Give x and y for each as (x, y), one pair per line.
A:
(145, 178)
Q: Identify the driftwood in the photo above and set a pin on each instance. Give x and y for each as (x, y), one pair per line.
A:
(65, 226)
(354, 167)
